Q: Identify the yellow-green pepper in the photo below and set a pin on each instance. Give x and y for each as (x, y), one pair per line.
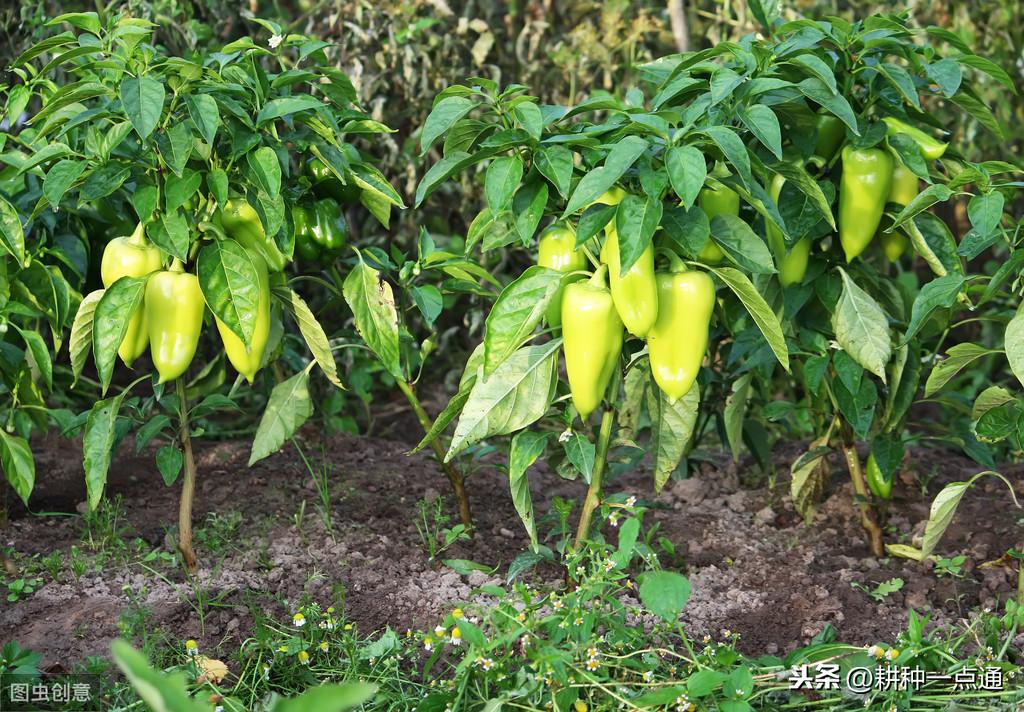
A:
(635, 292)
(174, 313)
(132, 256)
(931, 147)
(791, 264)
(557, 250)
(863, 191)
(717, 199)
(247, 361)
(241, 222)
(903, 191)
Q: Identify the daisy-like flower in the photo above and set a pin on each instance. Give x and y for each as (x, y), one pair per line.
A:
(327, 624)
(304, 657)
(580, 570)
(456, 636)
(593, 652)
(892, 653)
(440, 631)
(191, 647)
(557, 604)
(348, 626)
(614, 519)
(428, 643)
(649, 676)
(298, 620)
(875, 651)
(408, 632)
(266, 671)
(325, 646)
(631, 501)
(609, 565)
(275, 41)
(593, 665)
(629, 584)
(706, 639)
(578, 621)
(457, 614)
(521, 617)
(474, 620)
(485, 663)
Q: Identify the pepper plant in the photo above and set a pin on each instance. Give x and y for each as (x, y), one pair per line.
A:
(209, 153)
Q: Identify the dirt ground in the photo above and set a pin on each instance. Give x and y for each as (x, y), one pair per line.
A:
(756, 569)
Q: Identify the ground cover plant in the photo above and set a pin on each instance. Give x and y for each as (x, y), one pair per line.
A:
(655, 318)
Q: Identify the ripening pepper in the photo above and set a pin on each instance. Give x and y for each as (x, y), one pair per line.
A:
(792, 265)
(557, 250)
(132, 256)
(831, 133)
(327, 185)
(863, 191)
(635, 292)
(716, 200)
(174, 312)
(878, 483)
(592, 340)
(241, 222)
(931, 147)
(247, 361)
(903, 191)
(679, 338)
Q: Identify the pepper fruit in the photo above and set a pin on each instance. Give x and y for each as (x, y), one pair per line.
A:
(132, 256)
(635, 292)
(327, 185)
(557, 250)
(903, 191)
(863, 191)
(792, 265)
(330, 228)
(679, 338)
(241, 222)
(931, 148)
(247, 361)
(304, 220)
(592, 340)
(879, 485)
(831, 133)
(174, 312)
(715, 200)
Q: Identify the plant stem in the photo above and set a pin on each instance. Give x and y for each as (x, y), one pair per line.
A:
(594, 491)
(453, 474)
(867, 514)
(188, 485)
(1020, 581)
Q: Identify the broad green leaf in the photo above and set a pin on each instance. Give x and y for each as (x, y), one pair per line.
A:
(171, 234)
(19, 465)
(671, 430)
(442, 117)
(98, 443)
(231, 286)
(80, 341)
(664, 593)
(862, 328)
(11, 233)
(735, 412)
(820, 92)
(526, 447)
(1014, 344)
(596, 182)
(312, 332)
(205, 115)
(555, 164)
(764, 124)
(266, 169)
(940, 292)
(285, 106)
(931, 195)
(516, 313)
(169, 460)
(337, 698)
(502, 181)
(175, 146)
(103, 181)
(517, 394)
(687, 171)
(734, 151)
(373, 305)
(143, 102)
(944, 506)
(177, 189)
(635, 222)
(741, 244)
(115, 309)
(288, 408)
(40, 354)
(61, 176)
(758, 309)
(159, 691)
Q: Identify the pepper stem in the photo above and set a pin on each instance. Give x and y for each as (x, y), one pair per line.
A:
(188, 485)
(455, 477)
(176, 266)
(138, 237)
(600, 276)
(675, 262)
(594, 490)
(867, 513)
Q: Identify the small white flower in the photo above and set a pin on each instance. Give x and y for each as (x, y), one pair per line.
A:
(649, 676)
(439, 631)
(275, 41)
(298, 620)
(631, 501)
(609, 565)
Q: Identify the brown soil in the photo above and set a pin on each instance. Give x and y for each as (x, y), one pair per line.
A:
(756, 569)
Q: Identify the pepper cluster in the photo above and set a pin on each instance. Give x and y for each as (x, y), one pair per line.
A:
(321, 229)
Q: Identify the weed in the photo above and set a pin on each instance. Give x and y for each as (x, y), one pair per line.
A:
(432, 527)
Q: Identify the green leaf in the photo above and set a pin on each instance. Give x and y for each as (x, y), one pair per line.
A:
(931, 195)
(664, 593)
(11, 233)
(528, 207)
(60, 178)
(231, 286)
(555, 164)
(502, 181)
(442, 117)
(635, 222)
(862, 328)
(734, 151)
(18, 463)
(687, 171)
(373, 304)
(764, 124)
(205, 115)
(526, 447)
(944, 506)
(266, 169)
(285, 106)
(735, 412)
(160, 692)
(741, 244)
(88, 21)
(528, 116)
(80, 341)
(312, 332)
(818, 91)
(946, 73)
(288, 408)
(171, 234)
(1014, 344)
(623, 155)
(110, 323)
(581, 454)
(175, 146)
(904, 83)
(98, 442)
(517, 394)
(143, 102)
(988, 67)
(817, 68)
(177, 189)
(516, 313)
(940, 292)
(671, 430)
(217, 180)
(169, 461)
(40, 354)
(336, 698)
(978, 110)
(103, 182)
(758, 309)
